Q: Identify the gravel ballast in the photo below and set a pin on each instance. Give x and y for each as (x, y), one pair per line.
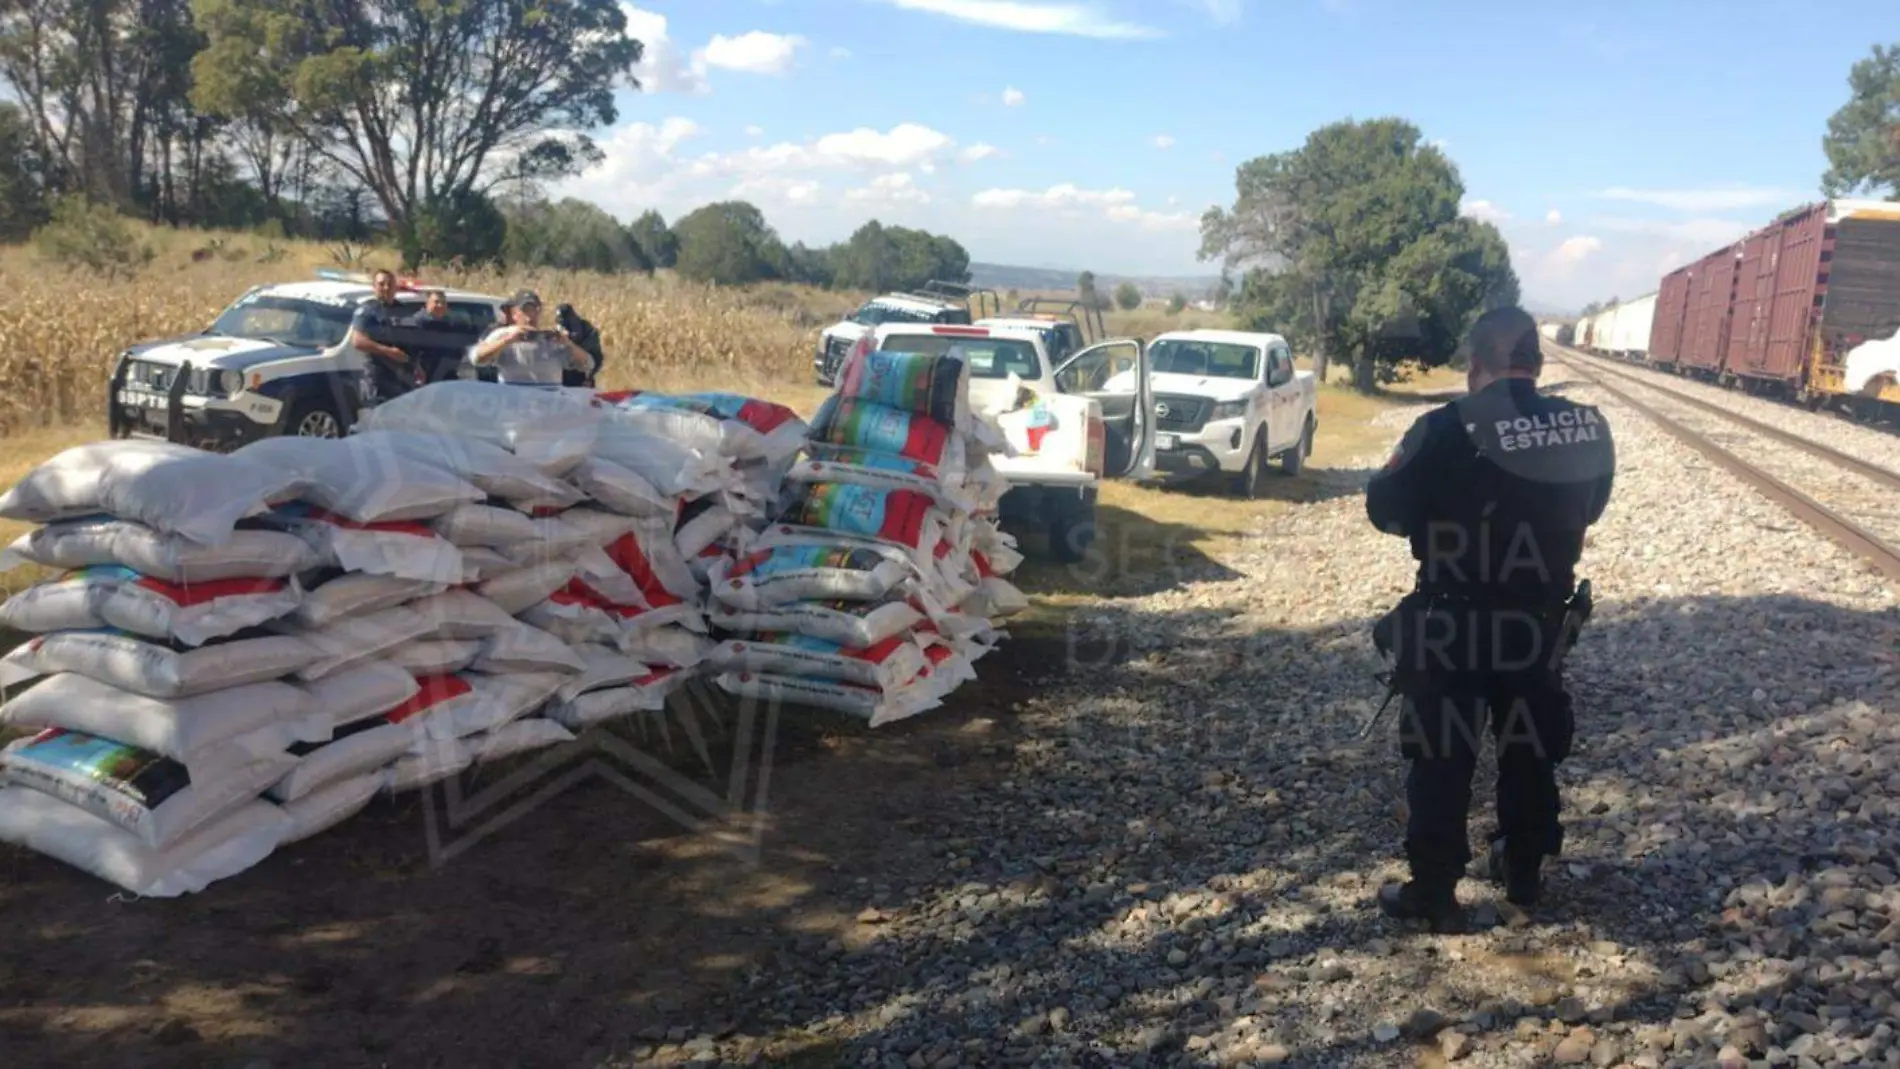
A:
(1178, 868)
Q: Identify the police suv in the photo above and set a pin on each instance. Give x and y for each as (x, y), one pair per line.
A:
(836, 341)
(278, 361)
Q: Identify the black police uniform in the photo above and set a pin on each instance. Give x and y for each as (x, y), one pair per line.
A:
(1494, 491)
(383, 323)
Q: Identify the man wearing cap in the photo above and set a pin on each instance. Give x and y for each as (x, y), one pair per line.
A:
(1494, 491)
(526, 353)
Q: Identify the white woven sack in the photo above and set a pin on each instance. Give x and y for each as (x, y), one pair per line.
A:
(174, 489)
(499, 473)
(149, 795)
(518, 737)
(219, 850)
(95, 542)
(619, 489)
(325, 808)
(154, 669)
(360, 692)
(356, 479)
(209, 733)
(550, 429)
(354, 594)
(365, 747)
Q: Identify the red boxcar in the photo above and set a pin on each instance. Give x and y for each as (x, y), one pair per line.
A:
(1665, 332)
(1800, 279)
(1754, 295)
(1711, 298)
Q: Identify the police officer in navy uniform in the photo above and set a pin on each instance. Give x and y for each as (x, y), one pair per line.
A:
(1494, 491)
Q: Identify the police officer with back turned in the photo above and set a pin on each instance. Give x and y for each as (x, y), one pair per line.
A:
(1494, 491)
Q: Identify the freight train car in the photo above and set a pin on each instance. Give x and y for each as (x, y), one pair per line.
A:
(1628, 336)
(1548, 331)
(1666, 326)
(1807, 307)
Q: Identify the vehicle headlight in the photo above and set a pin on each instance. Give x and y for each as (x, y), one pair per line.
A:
(230, 383)
(1228, 410)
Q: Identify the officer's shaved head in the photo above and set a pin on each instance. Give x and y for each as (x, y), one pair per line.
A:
(1504, 340)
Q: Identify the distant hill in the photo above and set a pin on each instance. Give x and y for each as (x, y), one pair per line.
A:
(1007, 277)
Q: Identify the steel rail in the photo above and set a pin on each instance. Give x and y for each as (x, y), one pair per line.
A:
(1851, 536)
(1884, 476)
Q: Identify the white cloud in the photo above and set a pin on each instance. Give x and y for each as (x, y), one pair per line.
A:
(1705, 200)
(906, 145)
(1012, 97)
(755, 131)
(1554, 218)
(1484, 210)
(1163, 141)
(840, 52)
(982, 150)
(663, 67)
(757, 52)
(1073, 201)
(1703, 231)
(1080, 20)
(890, 189)
(1575, 250)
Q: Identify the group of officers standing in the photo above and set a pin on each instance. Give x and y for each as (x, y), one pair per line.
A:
(410, 348)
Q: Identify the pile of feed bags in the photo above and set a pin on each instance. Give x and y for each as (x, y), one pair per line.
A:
(239, 651)
(881, 578)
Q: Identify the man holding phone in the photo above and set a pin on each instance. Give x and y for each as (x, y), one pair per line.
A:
(526, 353)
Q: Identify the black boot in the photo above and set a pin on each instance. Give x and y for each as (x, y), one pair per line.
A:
(1437, 904)
(1521, 875)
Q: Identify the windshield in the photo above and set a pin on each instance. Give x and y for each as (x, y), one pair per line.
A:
(286, 321)
(873, 314)
(988, 358)
(1217, 359)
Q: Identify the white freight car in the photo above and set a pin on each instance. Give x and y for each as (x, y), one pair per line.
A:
(1630, 336)
(1548, 330)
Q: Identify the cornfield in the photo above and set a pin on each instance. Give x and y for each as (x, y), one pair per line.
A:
(64, 329)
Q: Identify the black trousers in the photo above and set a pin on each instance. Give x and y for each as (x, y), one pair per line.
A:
(1441, 734)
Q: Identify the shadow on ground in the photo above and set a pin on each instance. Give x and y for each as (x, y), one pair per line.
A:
(585, 931)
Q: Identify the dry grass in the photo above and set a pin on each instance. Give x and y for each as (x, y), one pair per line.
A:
(659, 332)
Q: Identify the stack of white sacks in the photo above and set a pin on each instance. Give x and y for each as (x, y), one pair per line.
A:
(243, 650)
(881, 579)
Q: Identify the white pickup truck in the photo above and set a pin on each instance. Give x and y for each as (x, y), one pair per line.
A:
(1231, 402)
(1089, 418)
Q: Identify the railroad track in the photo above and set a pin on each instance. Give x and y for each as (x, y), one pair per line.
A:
(1856, 538)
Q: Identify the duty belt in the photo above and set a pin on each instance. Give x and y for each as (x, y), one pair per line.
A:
(1576, 612)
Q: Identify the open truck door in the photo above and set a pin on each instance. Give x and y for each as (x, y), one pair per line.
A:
(1116, 375)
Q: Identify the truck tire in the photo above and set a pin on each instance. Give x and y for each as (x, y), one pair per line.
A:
(1250, 481)
(1071, 525)
(314, 417)
(1293, 461)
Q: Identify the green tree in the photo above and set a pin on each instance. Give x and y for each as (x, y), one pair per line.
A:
(1591, 309)
(1353, 246)
(655, 239)
(727, 244)
(572, 234)
(22, 176)
(1127, 297)
(1863, 137)
(423, 103)
(1176, 305)
(463, 227)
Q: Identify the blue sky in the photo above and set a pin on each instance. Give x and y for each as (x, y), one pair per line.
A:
(1610, 141)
